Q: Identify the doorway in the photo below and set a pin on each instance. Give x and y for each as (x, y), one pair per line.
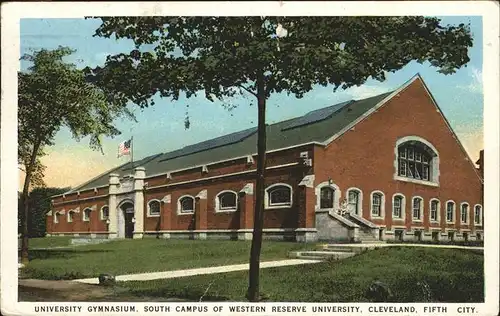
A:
(128, 215)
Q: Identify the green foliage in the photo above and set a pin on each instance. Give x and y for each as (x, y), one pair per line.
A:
(222, 56)
(144, 255)
(53, 94)
(413, 275)
(39, 204)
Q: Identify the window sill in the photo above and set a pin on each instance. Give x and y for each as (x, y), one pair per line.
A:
(270, 207)
(436, 221)
(186, 213)
(478, 224)
(86, 220)
(377, 217)
(422, 182)
(450, 223)
(153, 215)
(416, 220)
(229, 210)
(399, 219)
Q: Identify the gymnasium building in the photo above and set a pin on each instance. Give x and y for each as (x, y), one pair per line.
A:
(383, 168)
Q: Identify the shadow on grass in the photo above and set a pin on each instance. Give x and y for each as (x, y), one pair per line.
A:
(60, 253)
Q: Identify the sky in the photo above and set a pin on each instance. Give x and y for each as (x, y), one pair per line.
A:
(161, 128)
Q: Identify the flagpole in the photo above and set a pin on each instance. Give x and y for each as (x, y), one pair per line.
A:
(132, 151)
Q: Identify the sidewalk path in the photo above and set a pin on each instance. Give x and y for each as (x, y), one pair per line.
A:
(377, 245)
(198, 271)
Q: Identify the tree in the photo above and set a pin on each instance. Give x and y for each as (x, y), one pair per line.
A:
(51, 94)
(39, 204)
(221, 56)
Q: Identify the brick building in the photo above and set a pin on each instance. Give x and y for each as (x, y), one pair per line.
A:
(386, 167)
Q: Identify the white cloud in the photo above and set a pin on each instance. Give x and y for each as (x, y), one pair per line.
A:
(476, 84)
(365, 91)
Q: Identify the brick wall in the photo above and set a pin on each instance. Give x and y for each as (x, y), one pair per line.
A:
(364, 157)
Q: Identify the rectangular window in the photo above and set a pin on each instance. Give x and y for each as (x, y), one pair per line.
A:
(465, 213)
(402, 153)
(434, 210)
(410, 153)
(417, 208)
(418, 156)
(402, 167)
(477, 215)
(376, 204)
(425, 172)
(397, 207)
(449, 212)
(353, 200)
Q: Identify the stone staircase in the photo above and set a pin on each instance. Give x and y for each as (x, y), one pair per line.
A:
(334, 251)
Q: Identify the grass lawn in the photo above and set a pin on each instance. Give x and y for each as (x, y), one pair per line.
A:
(452, 275)
(146, 255)
(49, 242)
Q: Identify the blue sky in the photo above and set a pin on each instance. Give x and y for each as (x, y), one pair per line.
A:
(161, 128)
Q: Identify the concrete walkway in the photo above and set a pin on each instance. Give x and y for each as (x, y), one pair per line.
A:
(198, 271)
(381, 244)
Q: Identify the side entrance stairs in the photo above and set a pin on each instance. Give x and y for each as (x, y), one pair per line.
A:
(334, 251)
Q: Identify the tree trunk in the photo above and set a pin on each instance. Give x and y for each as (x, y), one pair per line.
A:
(253, 286)
(25, 201)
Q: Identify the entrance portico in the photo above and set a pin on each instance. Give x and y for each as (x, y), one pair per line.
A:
(126, 205)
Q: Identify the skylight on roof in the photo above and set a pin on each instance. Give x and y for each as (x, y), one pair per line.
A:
(316, 115)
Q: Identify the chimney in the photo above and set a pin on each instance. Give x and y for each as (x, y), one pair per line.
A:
(480, 163)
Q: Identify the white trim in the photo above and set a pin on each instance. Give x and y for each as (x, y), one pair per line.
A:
(382, 205)
(265, 230)
(267, 204)
(218, 208)
(235, 159)
(480, 215)
(84, 217)
(359, 211)
(336, 196)
(191, 212)
(438, 219)
(148, 213)
(101, 215)
(422, 209)
(434, 163)
(221, 176)
(454, 212)
(403, 207)
(467, 215)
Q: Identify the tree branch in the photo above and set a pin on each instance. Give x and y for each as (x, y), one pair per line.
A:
(248, 90)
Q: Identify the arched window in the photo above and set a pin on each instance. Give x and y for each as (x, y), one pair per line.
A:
(464, 213)
(434, 209)
(154, 208)
(186, 205)
(70, 216)
(104, 213)
(416, 161)
(478, 214)
(450, 212)
(398, 206)
(279, 195)
(354, 201)
(377, 204)
(418, 205)
(326, 197)
(86, 214)
(56, 216)
(226, 201)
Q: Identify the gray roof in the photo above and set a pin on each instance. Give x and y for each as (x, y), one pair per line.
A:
(315, 126)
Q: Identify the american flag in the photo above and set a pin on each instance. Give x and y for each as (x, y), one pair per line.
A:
(124, 148)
